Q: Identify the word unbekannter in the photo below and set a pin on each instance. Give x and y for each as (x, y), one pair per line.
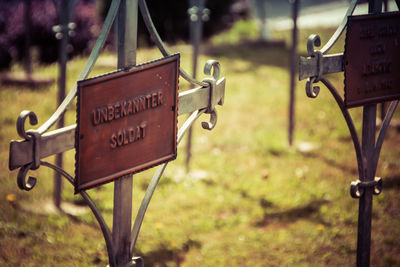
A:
(125, 108)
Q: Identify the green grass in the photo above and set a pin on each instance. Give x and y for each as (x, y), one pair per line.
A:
(251, 201)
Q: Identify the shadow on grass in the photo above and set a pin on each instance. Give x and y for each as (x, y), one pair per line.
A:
(309, 211)
(264, 203)
(391, 182)
(330, 162)
(163, 255)
(22, 80)
(259, 53)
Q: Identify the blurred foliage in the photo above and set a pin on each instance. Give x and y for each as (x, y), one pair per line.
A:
(44, 15)
(171, 18)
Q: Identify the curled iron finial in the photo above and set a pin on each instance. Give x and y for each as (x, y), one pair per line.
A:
(312, 41)
(311, 90)
(28, 135)
(212, 65)
(357, 188)
(21, 123)
(35, 164)
(211, 106)
(22, 183)
(213, 121)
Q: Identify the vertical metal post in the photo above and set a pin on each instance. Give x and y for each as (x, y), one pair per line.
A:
(368, 146)
(375, 6)
(196, 28)
(365, 202)
(196, 9)
(293, 69)
(62, 76)
(27, 45)
(122, 217)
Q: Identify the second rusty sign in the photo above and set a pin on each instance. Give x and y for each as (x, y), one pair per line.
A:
(372, 59)
(127, 122)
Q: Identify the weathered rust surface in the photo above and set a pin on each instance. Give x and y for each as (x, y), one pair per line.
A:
(372, 59)
(127, 122)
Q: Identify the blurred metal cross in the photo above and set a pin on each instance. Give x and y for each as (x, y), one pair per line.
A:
(62, 33)
(198, 14)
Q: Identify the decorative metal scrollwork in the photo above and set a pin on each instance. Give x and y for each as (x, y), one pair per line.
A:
(21, 122)
(311, 90)
(313, 40)
(35, 137)
(215, 67)
(21, 178)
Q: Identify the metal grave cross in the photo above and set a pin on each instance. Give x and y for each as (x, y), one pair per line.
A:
(371, 64)
(118, 121)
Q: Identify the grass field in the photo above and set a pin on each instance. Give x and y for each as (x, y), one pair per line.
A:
(249, 200)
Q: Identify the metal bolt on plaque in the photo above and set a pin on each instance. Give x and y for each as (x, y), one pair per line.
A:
(126, 123)
(371, 65)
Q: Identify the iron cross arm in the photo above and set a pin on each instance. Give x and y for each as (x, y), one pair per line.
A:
(22, 152)
(319, 64)
(201, 97)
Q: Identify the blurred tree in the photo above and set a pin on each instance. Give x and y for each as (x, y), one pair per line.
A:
(171, 20)
(44, 17)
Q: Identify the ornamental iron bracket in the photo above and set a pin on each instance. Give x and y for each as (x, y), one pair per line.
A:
(317, 64)
(213, 98)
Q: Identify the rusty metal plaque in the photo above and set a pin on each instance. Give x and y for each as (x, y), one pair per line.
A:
(372, 59)
(126, 122)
